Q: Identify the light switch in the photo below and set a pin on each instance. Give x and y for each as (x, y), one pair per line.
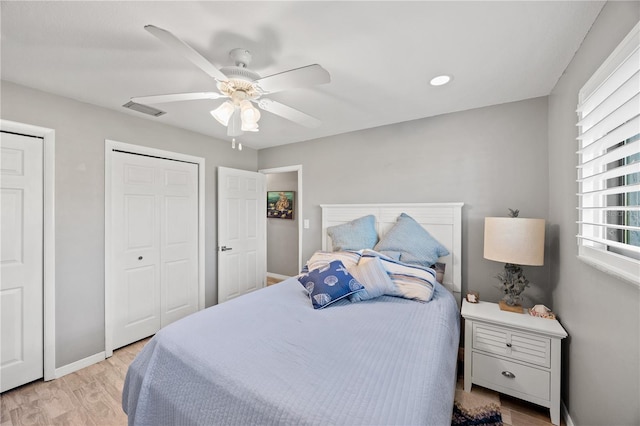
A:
(305, 224)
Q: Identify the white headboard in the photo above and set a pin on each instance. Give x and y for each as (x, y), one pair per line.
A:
(442, 220)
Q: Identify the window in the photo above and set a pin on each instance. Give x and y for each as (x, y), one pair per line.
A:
(609, 163)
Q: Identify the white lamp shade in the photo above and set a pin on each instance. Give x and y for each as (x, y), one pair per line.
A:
(250, 127)
(223, 113)
(250, 114)
(515, 240)
(235, 123)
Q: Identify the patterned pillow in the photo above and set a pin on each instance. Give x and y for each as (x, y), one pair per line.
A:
(413, 282)
(416, 245)
(355, 235)
(321, 259)
(370, 272)
(329, 284)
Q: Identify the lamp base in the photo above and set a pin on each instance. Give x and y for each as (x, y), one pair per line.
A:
(515, 308)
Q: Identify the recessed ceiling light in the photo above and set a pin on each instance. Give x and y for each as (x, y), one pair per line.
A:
(440, 80)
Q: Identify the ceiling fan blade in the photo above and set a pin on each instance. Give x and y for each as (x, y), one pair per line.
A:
(187, 51)
(158, 99)
(310, 75)
(287, 112)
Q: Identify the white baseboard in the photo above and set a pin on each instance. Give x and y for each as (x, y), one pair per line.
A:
(564, 413)
(277, 276)
(79, 365)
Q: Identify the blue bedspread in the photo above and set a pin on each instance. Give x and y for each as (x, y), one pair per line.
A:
(270, 358)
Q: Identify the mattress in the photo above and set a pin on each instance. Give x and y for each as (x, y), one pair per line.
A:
(269, 358)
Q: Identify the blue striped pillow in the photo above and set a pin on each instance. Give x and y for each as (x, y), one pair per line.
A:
(413, 282)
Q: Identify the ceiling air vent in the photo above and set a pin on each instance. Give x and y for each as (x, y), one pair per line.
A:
(145, 109)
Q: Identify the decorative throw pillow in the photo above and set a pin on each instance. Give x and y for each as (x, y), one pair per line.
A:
(321, 259)
(355, 235)
(329, 284)
(416, 245)
(413, 282)
(372, 275)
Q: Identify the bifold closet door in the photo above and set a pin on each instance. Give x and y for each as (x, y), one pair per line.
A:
(155, 244)
(21, 266)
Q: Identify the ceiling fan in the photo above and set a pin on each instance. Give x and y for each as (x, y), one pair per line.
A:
(241, 86)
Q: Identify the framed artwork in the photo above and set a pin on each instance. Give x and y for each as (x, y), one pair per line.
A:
(280, 204)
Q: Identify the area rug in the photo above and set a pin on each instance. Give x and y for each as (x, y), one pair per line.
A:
(471, 410)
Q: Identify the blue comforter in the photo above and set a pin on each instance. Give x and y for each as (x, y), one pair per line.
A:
(269, 358)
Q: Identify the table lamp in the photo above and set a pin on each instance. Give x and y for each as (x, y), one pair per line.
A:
(515, 241)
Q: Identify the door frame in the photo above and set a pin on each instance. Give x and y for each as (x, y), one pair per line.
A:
(49, 237)
(285, 169)
(109, 147)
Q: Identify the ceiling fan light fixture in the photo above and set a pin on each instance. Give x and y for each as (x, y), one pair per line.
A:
(234, 128)
(249, 127)
(223, 113)
(250, 114)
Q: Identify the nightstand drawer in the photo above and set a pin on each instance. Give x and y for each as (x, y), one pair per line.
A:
(512, 344)
(511, 375)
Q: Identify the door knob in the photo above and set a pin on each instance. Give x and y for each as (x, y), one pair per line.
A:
(225, 248)
(139, 257)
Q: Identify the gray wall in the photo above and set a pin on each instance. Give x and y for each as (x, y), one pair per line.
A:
(282, 234)
(601, 377)
(491, 158)
(79, 201)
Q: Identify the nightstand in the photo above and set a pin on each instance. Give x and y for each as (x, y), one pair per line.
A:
(515, 354)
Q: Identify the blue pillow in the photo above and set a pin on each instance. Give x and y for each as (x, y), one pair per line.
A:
(416, 245)
(355, 235)
(329, 284)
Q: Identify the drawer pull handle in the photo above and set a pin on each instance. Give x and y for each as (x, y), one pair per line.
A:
(508, 345)
(508, 374)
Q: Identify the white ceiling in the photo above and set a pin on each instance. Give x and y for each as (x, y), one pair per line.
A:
(381, 55)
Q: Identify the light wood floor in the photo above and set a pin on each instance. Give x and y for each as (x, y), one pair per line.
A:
(515, 412)
(272, 281)
(92, 396)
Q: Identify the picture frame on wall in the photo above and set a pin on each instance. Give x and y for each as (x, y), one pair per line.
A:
(280, 204)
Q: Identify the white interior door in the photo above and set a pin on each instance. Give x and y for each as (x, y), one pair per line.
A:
(155, 244)
(242, 249)
(21, 265)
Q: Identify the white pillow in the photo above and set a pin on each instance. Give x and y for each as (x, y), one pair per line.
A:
(321, 259)
(372, 275)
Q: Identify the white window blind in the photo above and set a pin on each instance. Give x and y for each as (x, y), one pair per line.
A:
(609, 163)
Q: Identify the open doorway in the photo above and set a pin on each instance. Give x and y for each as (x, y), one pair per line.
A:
(284, 233)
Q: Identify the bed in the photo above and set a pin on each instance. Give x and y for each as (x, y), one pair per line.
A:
(269, 357)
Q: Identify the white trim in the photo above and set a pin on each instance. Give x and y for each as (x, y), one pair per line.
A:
(285, 169)
(621, 267)
(80, 364)
(620, 53)
(565, 414)
(109, 147)
(49, 242)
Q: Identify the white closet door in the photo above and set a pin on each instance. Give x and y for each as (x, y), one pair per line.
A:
(179, 240)
(21, 268)
(155, 244)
